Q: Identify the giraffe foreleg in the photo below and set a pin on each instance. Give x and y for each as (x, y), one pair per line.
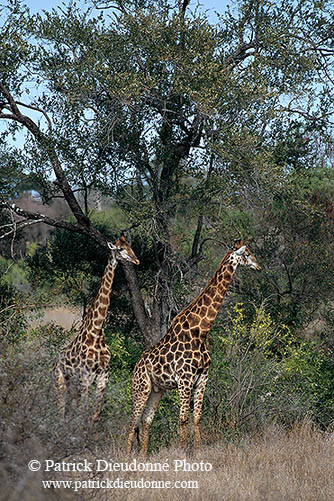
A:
(60, 388)
(84, 383)
(100, 389)
(184, 389)
(198, 401)
(76, 397)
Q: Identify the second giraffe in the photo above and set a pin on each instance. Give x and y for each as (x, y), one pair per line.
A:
(181, 359)
(85, 360)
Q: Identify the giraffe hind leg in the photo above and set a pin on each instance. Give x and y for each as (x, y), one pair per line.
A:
(137, 436)
(100, 389)
(185, 395)
(148, 416)
(140, 396)
(75, 395)
(198, 401)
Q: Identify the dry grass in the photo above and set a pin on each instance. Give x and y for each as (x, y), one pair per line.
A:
(63, 316)
(276, 465)
(279, 465)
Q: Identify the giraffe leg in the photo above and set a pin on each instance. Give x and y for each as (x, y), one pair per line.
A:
(100, 388)
(185, 395)
(148, 416)
(140, 395)
(84, 384)
(77, 397)
(198, 401)
(60, 389)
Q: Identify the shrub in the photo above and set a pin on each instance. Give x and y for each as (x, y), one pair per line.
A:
(12, 303)
(261, 372)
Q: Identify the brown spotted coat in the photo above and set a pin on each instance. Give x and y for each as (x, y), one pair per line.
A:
(85, 360)
(181, 359)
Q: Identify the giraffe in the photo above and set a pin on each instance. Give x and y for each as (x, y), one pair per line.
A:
(85, 360)
(181, 359)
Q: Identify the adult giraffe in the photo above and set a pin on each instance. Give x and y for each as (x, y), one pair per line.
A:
(181, 359)
(85, 360)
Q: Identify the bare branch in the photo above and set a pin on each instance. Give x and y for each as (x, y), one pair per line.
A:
(13, 237)
(194, 250)
(6, 116)
(36, 217)
(114, 6)
(15, 110)
(18, 225)
(183, 4)
(304, 114)
(47, 118)
(46, 145)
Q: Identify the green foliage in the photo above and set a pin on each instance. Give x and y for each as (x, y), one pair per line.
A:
(165, 427)
(12, 179)
(13, 273)
(119, 353)
(12, 303)
(261, 333)
(72, 264)
(310, 372)
(118, 394)
(50, 337)
(262, 372)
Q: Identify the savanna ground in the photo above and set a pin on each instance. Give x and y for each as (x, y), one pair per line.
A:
(275, 462)
(278, 465)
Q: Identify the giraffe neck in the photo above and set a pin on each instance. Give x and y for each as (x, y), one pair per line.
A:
(199, 316)
(97, 312)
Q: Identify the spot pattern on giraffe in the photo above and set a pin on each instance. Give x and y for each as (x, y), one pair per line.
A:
(85, 359)
(181, 359)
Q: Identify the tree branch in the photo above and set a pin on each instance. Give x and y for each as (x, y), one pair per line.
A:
(34, 108)
(37, 217)
(240, 54)
(144, 321)
(194, 251)
(46, 145)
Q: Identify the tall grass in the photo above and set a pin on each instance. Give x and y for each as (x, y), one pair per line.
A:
(276, 463)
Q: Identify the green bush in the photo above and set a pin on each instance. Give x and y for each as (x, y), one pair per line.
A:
(12, 303)
(261, 372)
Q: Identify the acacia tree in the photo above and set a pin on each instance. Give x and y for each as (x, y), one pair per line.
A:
(167, 113)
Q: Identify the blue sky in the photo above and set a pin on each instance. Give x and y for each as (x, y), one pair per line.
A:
(211, 5)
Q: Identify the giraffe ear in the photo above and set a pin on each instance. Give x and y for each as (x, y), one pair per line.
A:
(241, 250)
(120, 241)
(237, 244)
(111, 246)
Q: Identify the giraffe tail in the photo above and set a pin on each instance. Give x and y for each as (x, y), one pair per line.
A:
(137, 435)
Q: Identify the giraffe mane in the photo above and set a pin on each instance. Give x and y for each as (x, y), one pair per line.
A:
(190, 305)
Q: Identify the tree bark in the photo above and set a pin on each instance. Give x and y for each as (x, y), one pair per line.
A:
(147, 326)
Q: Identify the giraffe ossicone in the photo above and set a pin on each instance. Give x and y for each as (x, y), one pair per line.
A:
(85, 360)
(181, 359)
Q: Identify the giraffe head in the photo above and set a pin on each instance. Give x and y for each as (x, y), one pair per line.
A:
(122, 251)
(244, 255)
